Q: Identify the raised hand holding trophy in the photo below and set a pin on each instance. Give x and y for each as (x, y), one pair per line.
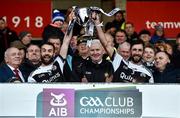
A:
(84, 19)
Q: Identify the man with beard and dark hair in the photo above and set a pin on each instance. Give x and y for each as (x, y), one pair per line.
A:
(137, 49)
(53, 65)
(51, 69)
(125, 71)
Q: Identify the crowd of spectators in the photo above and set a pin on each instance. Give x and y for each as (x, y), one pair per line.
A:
(116, 54)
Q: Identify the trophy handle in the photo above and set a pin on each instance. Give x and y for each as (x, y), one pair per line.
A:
(71, 25)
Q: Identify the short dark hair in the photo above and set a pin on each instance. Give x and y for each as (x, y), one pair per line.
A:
(31, 44)
(55, 37)
(119, 12)
(109, 25)
(144, 31)
(138, 41)
(121, 31)
(48, 43)
(150, 46)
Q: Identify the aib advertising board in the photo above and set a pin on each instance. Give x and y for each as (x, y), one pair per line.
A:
(29, 15)
(147, 14)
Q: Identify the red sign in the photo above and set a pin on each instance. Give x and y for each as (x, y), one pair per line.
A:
(147, 14)
(29, 15)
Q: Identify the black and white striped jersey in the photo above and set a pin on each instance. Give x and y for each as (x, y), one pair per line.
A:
(126, 71)
(50, 73)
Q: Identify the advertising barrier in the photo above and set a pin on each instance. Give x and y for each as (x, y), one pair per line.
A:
(89, 100)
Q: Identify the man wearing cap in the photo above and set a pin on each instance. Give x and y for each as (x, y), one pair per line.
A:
(119, 20)
(54, 29)
(145, 36)
(81, 55)
(158, 34)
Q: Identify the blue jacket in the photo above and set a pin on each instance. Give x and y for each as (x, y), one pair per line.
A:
(169, 75)
(6, 74)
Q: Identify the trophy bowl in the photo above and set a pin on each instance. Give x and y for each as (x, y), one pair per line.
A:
(82, 15)
(83, 18)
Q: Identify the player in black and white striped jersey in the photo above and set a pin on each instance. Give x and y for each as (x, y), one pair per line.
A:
(125, 71)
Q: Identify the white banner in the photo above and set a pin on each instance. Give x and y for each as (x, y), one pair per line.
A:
(22, 99)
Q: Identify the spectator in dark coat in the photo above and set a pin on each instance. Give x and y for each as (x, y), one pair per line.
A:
(165, 72)
(119, 20)
(159, 35)
(54, 29)
(81, 55)
(32, 60)
(176, 53)
(130, 32)
(6, 37)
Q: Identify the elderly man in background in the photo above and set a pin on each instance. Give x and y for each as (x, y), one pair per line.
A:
(124, 50)
(32, 60)
(10, 72)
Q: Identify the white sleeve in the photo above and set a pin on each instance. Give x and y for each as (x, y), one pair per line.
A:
(151, 80)
(116, 61)
(60, 62)
(31, 80)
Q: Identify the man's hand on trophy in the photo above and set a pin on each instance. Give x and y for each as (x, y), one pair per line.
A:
(71, 15)
(95, 18)
(72, 20)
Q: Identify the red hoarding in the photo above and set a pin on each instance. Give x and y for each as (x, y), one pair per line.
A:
(147, 14)
(29, 15)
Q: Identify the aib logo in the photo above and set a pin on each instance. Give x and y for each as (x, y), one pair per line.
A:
(58, 100)
(57, 103)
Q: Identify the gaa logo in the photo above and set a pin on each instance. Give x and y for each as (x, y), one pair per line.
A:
(107, 103)
(85, 101)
